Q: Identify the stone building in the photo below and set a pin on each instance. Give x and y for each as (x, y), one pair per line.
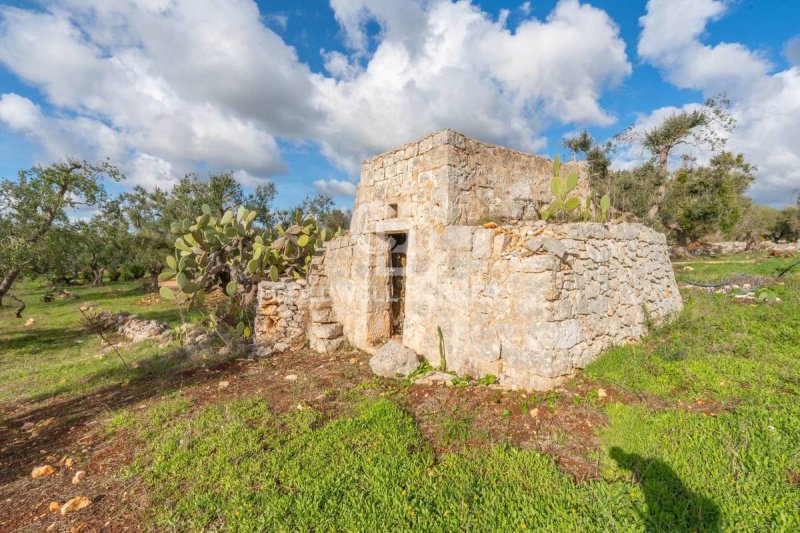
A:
(445, 245)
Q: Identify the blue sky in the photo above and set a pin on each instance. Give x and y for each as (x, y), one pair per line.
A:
(299, 92)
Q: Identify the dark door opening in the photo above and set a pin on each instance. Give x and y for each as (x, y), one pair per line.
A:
(398, 244)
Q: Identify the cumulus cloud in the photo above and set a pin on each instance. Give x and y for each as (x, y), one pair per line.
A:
(791, 50)
(333, 187)
(168, 81)
(60, 136)
(766, 104)
(165, 85)
(443, 64)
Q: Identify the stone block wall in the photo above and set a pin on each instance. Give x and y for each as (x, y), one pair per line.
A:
(528, 303)
(732, 247)
(447, 178)
(282, 314)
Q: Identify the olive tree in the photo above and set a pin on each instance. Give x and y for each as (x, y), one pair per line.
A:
(39, 199)
(704, 199)
(705, 127)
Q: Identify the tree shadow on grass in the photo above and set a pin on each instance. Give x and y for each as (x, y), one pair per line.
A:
(671, 507)
(20, 445)
(40, 340)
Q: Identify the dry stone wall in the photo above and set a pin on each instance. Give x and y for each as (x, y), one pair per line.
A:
(282, 315)
(732, 247)
(528, 303)
(447, 178)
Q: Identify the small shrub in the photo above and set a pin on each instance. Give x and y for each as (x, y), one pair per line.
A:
(114, 274)
(131, 272)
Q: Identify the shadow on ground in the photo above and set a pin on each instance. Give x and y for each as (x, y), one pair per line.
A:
(25, 432)
(671, 506)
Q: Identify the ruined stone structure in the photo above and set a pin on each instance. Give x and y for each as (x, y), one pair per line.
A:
(444, 238)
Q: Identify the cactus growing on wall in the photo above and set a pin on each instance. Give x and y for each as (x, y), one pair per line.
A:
(227, 252)
(566, 206)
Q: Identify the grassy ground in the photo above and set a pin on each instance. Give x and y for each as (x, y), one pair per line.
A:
(56, 356)
(699, 430)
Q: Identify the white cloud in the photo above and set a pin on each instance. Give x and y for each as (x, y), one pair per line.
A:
(19, 113)
(403, 22)
(791, 50)
(60, 136)
(281, 20)
(766, 104)
(163, 86)
(443, 64)
(180, 82)
(333, 187)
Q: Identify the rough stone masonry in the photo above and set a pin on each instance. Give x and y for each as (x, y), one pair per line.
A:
(444, 238)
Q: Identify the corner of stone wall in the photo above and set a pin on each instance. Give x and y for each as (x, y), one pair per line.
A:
(325, 334)
(282, 314)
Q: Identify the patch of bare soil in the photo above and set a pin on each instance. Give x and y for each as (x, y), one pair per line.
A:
(70, 433)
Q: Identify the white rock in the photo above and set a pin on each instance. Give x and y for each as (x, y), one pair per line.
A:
(392, 359)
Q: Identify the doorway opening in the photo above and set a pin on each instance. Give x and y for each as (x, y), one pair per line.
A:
(398, 246)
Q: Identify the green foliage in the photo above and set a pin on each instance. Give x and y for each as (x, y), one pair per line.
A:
(708, 198)
(227, 251)
(756, 222)
(635, 191)
(565, 206)
(703, 127)
(131, 272)
(442, 358)
(787, 226)
(39, 200)
(580, 143)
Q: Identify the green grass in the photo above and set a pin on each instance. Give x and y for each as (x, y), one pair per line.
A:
(721, 267)
(238, 467)
(716, 349)
(56, 356)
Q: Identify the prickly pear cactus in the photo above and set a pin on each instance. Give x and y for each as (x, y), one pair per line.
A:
(226, 252)
(566, 207)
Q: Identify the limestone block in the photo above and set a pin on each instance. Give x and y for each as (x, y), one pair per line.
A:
(458, 238)
(501, 241)
(538, 263)
(325, 331)
(323, 315)
(482, 243)
(392, 359)
(326, 345)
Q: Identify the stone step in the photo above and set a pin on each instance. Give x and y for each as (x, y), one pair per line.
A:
(325, 331)
(319, 303)
(326, 345)
(322, 315)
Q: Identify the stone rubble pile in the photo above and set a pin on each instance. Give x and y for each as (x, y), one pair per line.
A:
(133, 327)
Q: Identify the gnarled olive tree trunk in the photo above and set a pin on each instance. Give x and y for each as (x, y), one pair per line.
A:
(8, 281)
